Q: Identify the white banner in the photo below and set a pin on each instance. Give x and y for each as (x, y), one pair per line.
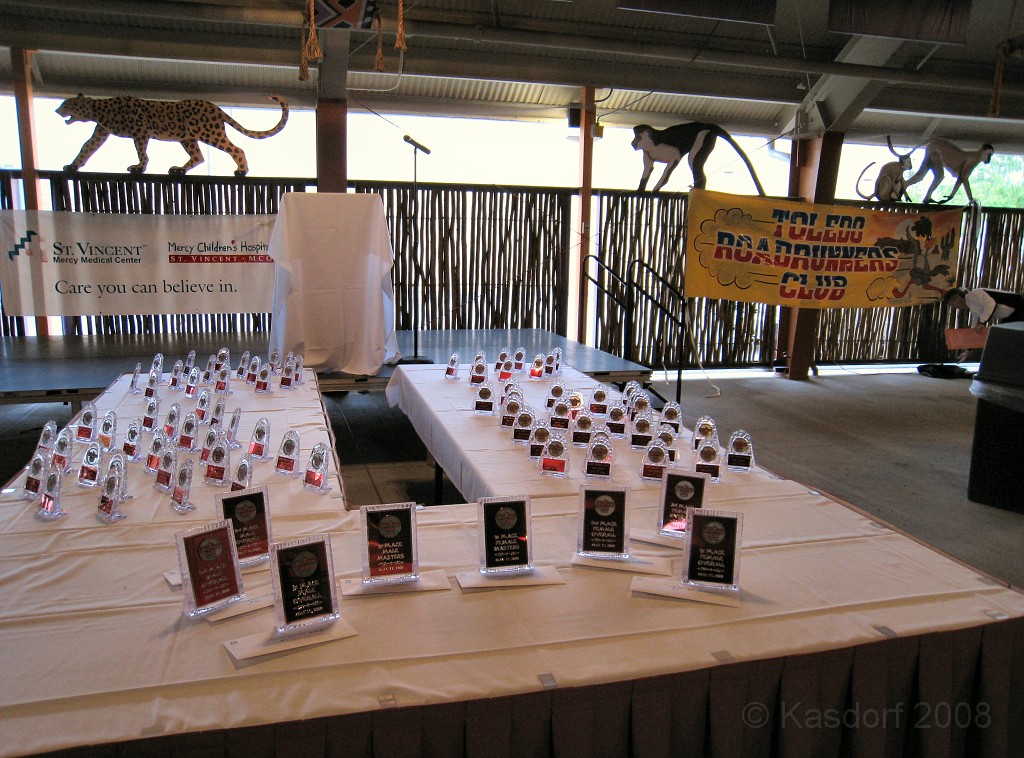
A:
(73, 264)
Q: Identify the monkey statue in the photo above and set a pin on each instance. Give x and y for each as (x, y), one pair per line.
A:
(940, 154)
(890, 184)
(694, 140)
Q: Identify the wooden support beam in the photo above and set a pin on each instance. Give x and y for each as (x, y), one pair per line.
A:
(588, 121)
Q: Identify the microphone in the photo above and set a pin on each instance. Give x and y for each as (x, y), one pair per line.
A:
(416, 144)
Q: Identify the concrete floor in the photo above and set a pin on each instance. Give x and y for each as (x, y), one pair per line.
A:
(897, 445)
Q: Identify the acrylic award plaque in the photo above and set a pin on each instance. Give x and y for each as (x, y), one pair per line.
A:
(231, 433)
(510, 410)
(190, 361)
(537, 368)
(557, 353)
(63, 449)
(217, 415)
(451, 371)
(714, 539)
(559, 419)
(672, 415)
(389, 543)
(157, 365)
(549, 365)
(505, 372)
(210, 575)
(259, 443)
(582, 429)
(248, 511)
(118, 465)
(503, 355)
(130, 446)
(600, 457)
(47, 437)
(707, 460)
(557, 392)
(519, 360)
(34, 475)
(49, 497)
(187, 435)
(274, 360)
(171, 422)
(704, 431)
(604, 523)
(222, 382)
(133, 385)
(640, 404)
(109, 508)
(263, 380)
(505, 544)
(218, 463)
(576, 403)
(287, 461)
(315, 478)
(679, 490)
(89, 471)
(305, 594)
(210, 370)
(180, 495)
(209, 440)
(539, 440)
(108, 430)
(192, 385)
(86, 431)
(739, 456)
(300, 363)
(616, 421)
(223, 359)
(288, 375)
(483, 400)
(522, 429)
(241, 477)
(554, 461)
(243, 365)
(654, 462)
(149, 417)
(643, 431)
(156, 449)
(152, 384)
(167, 470)
(478, 374)
(599, 401)
(252, 371)
(667, 436)
(175, 382)
(203, 407)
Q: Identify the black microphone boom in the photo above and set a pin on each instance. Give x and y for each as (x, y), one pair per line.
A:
(416, 144)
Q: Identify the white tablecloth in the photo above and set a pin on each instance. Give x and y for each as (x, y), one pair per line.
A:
(333, 295)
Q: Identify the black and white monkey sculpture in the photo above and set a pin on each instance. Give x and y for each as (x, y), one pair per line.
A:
(890, 184)
(940, 154)
(693, 140)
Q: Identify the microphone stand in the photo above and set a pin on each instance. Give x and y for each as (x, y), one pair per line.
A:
(415, 357)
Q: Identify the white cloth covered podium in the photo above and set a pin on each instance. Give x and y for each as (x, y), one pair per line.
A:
(333, 296)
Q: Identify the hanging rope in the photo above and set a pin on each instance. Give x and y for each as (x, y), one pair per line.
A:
(1004, 49)
(400, 38)
(311, 51)
(378, 63)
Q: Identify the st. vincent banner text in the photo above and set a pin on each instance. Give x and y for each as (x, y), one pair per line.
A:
(84, 264)
(808, 255)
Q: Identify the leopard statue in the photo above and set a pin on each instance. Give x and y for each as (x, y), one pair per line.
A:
(187, 122)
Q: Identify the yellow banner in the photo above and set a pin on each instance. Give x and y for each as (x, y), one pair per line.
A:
(807, 255)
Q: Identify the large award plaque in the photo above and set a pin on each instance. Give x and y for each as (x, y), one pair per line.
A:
(210, 575)
(679, 490)
(505, 545)
(249, 513)
(604, 523)
(714, 539)
(303, 574)
(389, 544)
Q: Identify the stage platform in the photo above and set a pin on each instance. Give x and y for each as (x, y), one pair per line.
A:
(75, 369)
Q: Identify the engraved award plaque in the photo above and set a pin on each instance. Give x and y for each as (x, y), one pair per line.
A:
(183, 488)
(478, 374)
(87, 424)
(149, 418)
(706, 460)
(167, 469)
(34, 475)
(537, 368)
(505, 544)
(248, 511)
(89, 472)
(604, 523)
(315, 478)
(522, 430)
(174, 383)
(241, 479)
(599, 401)
(287, 462)
(510, 410)
(559, 418)
(156, 449)
(519, 360)
(109, 508)
(643, 431)
(274, 360)
(483, 402)
(107, 430)
(539, 440)
(222, 382)
(49, 498)
(704, 431)
(209, 440)
(192, 384)
(259, 443)
(554, 461)
(451, 372)
(263, 380)
(713, 559)
(189, 430)
(600, 456)
(582, 429)
(740, 454)
(171, 422)
(679, 490)
(190, 362)
(130, 446)
(305, 595)
(152, 384)
(389, 543)
(218, 463)
(231, 433)
(133, 385)
(223, 360)
(655, 462)
(557, 392)
(503, 355)
(210, 370)
(288, 374)
(243, 364)
(252, 371)
(210, 574)
(47, 437)
(217, 416)
(616, 422)
(672, 415)
(63, 449)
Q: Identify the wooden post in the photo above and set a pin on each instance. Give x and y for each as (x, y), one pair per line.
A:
(21, 63)
(588, 120)
(812, 177)
(332, 112)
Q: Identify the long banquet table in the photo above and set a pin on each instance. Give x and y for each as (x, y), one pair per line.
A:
(840, 617)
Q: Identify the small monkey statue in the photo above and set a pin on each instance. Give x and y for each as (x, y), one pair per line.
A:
(890, 184)
(940, 154)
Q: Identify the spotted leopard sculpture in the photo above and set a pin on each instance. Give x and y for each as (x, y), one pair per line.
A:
(187, 122)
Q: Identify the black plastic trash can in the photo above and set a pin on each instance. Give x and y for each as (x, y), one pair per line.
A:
(997, 454)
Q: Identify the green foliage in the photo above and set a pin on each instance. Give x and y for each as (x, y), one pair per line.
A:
(997, 184)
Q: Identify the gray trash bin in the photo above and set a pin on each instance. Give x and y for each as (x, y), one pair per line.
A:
(997, 454)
